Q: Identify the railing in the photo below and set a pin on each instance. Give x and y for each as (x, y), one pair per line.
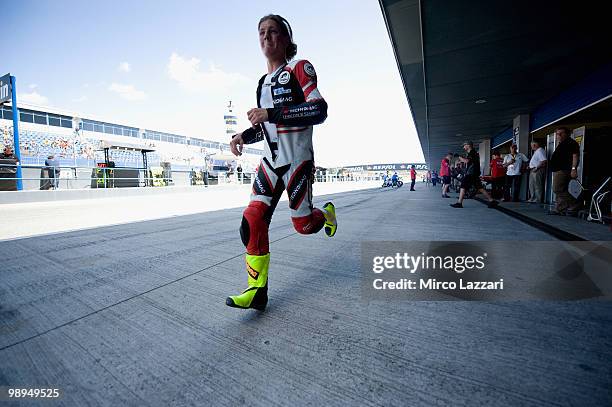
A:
(71, 177)
(36, 177)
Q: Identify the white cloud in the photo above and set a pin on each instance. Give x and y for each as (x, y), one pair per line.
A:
(81, 99)
(33, 98)
(33, 86)
(190, 77)
(127, 92)
(124, 67)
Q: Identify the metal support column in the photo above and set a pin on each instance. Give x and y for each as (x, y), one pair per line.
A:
(145, 164)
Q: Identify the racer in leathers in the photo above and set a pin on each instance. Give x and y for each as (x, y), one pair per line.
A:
(288, 105)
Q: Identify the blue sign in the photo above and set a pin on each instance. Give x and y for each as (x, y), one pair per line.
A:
(5, 88)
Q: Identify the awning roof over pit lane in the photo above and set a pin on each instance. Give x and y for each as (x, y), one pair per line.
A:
(470, 67)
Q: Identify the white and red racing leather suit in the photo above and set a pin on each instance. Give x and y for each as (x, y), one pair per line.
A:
(294, 105)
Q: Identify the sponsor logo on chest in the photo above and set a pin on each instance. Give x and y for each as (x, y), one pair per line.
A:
(283, 99)
(284, 77)
(281, 91)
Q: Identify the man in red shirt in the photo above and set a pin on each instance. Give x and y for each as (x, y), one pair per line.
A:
(412, 177)
(445, 174)
(498, 174)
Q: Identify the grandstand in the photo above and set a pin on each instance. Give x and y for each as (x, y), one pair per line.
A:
(75, 140)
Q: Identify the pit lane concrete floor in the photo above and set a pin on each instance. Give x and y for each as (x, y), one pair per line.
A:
(134, 315)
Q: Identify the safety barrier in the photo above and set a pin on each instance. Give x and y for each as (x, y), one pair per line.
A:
(41, 177)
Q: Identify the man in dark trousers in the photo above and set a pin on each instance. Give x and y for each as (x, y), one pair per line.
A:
(53, 169)
(564, 166)
(471, 178)
(8, 169)
(239, 172)
(412, 177)
(207, 167)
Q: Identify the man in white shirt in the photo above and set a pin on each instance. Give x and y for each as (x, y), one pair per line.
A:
(537, 173)
(514, 163)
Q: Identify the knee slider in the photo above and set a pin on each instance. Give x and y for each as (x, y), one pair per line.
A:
(253, 221)
(307, 225)
(302, 225)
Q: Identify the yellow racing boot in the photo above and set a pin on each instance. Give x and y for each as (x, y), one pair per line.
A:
(331, 224)
(256, 295)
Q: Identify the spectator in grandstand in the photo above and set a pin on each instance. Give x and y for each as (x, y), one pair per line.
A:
(53, 170)
(32, 147)
(537, 173)
(564, 166)
(498, 175)
(471, 178)
(514, 163)
(412, 177)
(445, 173)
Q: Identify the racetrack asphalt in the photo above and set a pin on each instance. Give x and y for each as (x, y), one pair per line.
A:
(135, 314)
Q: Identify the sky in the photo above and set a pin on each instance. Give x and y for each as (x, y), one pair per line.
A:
(173, 67)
